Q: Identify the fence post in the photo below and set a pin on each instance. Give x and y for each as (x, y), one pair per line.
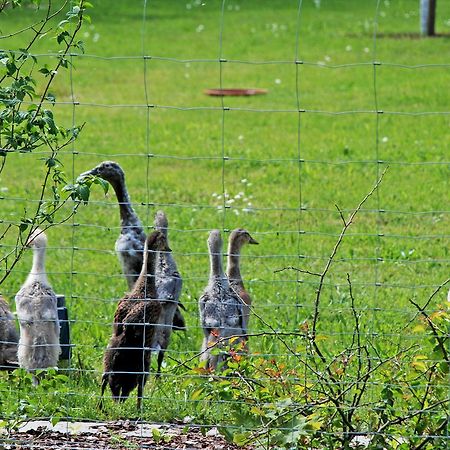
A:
(427, 17)
(64, 335)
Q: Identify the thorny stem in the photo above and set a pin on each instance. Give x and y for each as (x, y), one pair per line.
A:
(347, 224)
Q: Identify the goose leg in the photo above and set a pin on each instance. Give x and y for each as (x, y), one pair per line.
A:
(104, 384)
(139, 392)
(160, 360)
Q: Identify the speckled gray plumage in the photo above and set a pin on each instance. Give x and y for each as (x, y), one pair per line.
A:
(130, 243)
(168, 286)
(221, 314)
(36, 307)
(8, 335)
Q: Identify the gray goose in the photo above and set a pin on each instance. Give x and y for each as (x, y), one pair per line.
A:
(8, 336)
(136, 324)
(168, 287)
(36, 308)
(130, 244)
(238, 238)
(221, 312)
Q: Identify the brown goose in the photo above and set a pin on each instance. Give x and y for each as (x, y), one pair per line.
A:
(37, 312)
(238, 238)
(136, 324)
(221, 313)
(130, 243)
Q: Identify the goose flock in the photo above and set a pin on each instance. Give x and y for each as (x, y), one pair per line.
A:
(146, 316)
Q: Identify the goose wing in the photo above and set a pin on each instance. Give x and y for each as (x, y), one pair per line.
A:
(210, 312)
(140, 323)
(233, 313)
(130, 247)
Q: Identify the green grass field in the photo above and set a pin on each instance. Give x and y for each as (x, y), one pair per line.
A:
(284, 170)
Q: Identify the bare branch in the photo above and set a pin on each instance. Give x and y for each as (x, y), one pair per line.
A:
(402, 419)
(334, 252)
(341, 214)
(428, 301)
(297, 270)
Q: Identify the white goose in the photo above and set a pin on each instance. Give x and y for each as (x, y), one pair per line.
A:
(37, 312)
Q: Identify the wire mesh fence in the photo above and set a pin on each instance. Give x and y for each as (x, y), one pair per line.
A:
(339, 171)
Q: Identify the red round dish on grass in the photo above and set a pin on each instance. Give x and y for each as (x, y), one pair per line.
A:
(235, 92)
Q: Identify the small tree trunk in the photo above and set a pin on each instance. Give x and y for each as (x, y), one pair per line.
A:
(427, 17)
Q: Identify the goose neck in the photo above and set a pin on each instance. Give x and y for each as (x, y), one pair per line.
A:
(147, 275)
(233, 266)
(123, 198)
(38, 267)
(216, 264)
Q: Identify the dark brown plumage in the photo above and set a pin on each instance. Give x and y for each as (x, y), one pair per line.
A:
(136, 323)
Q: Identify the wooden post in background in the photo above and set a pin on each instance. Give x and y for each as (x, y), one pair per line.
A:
(427, 17)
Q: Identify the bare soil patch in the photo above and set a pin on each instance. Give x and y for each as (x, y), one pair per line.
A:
(113, 435)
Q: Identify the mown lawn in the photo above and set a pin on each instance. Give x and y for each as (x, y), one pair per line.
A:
(285, 171)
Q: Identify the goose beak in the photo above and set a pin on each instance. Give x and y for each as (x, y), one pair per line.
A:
(93, 172)
(252, 241)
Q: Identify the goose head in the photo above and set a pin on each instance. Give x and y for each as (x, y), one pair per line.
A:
(240, 237)
(37, 239)
(161, 221)
(157, 242)
(108, 170)
(215, 242)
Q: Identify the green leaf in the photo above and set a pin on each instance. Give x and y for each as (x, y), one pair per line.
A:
(51, 98)
(23, 226)
(55, 419)
(241, 438)
(103, 183)
(83, 192)
(197, 394)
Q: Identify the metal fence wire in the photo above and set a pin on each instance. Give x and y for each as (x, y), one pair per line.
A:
(345, 188)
